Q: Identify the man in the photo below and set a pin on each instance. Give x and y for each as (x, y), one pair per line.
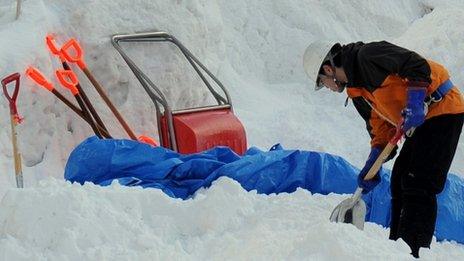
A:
(391, 86)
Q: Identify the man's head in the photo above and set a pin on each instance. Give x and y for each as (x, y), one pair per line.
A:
(323, 64)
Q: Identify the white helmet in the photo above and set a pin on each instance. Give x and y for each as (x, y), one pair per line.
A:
(315, 55)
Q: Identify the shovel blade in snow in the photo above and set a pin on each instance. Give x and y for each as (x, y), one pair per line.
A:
(351, 210)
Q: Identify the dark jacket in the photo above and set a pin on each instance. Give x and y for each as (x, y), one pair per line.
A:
(378, 74)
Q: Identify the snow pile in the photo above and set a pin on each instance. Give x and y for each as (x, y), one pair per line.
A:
(255, 48)
(72, 222)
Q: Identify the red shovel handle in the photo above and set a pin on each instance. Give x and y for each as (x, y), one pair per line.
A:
(78, 53)
(69, 80)
(12, 78)
(39, 78)
(12, 98)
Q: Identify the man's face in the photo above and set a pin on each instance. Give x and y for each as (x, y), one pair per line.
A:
(333, 79)
(329, 83)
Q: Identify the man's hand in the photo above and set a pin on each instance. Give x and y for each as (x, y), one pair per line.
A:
(414, 113)
(368, 185)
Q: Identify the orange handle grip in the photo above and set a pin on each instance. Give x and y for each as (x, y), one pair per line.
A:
(35, 75)
(50, 40)
(68, 79)
(147, 140)
(78, 53)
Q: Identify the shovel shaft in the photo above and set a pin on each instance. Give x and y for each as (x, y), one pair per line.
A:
(380, 160)
(384, 155)
(16, 155)
(15, 120)
(87, 102)
(108, 102)
(91, 109)
(353, 210)
(87, 115)
(18, 8)
(357, 195)
(74, 108)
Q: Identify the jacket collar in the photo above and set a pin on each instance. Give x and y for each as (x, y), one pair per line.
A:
(350, 63)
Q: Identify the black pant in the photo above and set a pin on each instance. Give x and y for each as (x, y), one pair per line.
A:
(418, 175)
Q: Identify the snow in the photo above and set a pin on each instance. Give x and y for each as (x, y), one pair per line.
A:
(223, 222)
(255, 48)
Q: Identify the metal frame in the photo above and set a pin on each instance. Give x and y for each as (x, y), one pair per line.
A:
(155, 93)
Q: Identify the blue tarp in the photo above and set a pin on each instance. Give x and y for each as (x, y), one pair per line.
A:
(275, 171)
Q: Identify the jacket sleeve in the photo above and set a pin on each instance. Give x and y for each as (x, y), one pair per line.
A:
(382, 131)
(377, 60)
(379, 129)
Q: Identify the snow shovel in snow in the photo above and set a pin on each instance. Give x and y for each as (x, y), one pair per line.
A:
(353, 210)
(15, 120)
(55, 50)
(36, 76)
(78, 58)
(69, 80)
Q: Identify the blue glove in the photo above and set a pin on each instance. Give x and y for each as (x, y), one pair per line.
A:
(368, 185)
(414, 113)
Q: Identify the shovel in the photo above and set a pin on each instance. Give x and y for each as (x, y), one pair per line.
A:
(78, 58)
(353, 210)
(15, 120)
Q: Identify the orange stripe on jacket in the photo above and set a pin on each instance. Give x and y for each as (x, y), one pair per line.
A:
(390, 98)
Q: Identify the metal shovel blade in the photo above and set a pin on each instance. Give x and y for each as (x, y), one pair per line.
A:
(351, 210)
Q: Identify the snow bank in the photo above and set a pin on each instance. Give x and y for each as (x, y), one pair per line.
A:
(255, 48)
(73, 222)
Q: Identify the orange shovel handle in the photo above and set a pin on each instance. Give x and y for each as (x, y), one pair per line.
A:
(147, 140)
(39, 78)
(68, 79)
(78, 53)
(50, 40)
